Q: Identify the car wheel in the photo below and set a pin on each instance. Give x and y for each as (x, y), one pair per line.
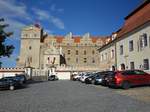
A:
(12, 87)
(125, 85)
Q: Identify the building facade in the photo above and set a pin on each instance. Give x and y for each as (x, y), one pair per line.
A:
(132, 43)
(43, 51)
(107, 54)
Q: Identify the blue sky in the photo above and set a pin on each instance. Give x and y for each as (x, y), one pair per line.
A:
(98, 17)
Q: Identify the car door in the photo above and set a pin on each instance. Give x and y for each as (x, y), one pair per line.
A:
(143, 78)
(131, 77)
(5, 82)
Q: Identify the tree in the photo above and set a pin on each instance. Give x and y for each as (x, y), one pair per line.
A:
(5, 50)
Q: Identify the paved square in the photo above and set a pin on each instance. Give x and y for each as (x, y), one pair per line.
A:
(69, 96)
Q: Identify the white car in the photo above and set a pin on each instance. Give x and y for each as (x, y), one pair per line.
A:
(82, 79)
(77, 77)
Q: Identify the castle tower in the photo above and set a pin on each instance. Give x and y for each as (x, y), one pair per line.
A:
(30, 47)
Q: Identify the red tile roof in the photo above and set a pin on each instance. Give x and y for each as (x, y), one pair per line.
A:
(137, 18)
(77, 39)
(59, 39)
(94, 40)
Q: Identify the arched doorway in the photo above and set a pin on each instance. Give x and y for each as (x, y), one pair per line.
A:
(122, 66)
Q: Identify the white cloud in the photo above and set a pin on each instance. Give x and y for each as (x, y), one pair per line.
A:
(53, 8)
(48, 31)
(14, 26)
(57, 22)
(45, 15)
(42, 14)
(11, 9)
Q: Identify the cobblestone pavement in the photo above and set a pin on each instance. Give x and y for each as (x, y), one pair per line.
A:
(69, 96)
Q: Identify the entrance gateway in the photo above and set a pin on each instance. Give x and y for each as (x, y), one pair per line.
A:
(54, 63)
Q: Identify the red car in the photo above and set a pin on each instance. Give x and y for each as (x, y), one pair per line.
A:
(128, 78)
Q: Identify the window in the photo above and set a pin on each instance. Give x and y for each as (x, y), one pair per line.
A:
(84, 52)
(30, 47)
(131, 45)
(68, 51)
(131, 65)
(77, 52)
(76, 60)
(105, 57)
(112, 54)
(93, 52)
(121, 49)
(35, 35)
(93, 60)
(146, 64)
(102, 57)
(128, 72)
(143, 40)
(138, 72)
(25, 35)
(68, 59)
(85, 60)
(123, 66)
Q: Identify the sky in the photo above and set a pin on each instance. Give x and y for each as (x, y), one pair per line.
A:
(59, 17)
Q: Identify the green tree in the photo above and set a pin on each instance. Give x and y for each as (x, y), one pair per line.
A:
(5, 50)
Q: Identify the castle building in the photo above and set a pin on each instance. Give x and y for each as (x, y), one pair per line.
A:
(43, 51)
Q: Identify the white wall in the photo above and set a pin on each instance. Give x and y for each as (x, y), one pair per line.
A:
(63, 75)
(134, 56)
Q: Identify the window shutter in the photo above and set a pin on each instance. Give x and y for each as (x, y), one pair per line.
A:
(138, 46)
(149, 41)
(141, 44)
(145, 39)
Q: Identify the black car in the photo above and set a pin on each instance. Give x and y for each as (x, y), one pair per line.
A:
(99, 78)
(106, 74)
(9, 83)
(52, 78)
(96, 78)
(21, 78)
(90, 79)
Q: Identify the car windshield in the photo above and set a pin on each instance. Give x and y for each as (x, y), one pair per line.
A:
(9, 77)
(139, 72)
(133, 72)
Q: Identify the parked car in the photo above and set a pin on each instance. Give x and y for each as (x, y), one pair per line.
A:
(82, 79)
(9, 83)
(128, 78)
(21, 78)
(52, 78)
(99, 78)
(76, 77)
(90, 79)
(106, 74)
